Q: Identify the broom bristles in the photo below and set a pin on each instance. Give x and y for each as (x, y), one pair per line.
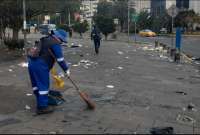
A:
(86, 98)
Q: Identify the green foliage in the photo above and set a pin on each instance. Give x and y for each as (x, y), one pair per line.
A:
(105, 24)
(186, 19)
(81, 27)
(105, 9)
(63, 26)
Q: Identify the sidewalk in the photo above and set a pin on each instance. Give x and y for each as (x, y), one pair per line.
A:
(135, 89)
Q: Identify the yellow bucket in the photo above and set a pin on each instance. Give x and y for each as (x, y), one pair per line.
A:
(58, 82)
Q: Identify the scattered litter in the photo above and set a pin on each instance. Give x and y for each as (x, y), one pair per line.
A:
(12, 66)
(120, 67)
(27, 107)
(112, 69)
(185, 119)
(162, 130)
(119, 52)
(197, 62)
(85, 66)
(75, 65)
(52, 132)
(170, 60)
(10, 70)
(148, 48)
(110, 86)
(147, 108)
(181, 92)
(184, 109)
(127, 57)
(88, 64)
(163, 57)
(135, 50)
(180, 78)
(29, 94)
(23, 64)
(80, 45)
(191, 107)
(87, 54)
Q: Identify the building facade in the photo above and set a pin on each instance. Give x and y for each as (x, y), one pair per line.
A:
(142, 5)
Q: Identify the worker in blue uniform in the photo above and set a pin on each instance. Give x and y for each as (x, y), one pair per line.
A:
(39, 68)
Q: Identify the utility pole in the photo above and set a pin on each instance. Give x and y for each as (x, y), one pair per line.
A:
(69, 17)
(91, 15)
(24, 24)
(128, 19)
(172, 42)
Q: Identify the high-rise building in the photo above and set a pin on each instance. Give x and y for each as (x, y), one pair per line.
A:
(182, 4)
(142, 5)
(159, 6)
(195, 5)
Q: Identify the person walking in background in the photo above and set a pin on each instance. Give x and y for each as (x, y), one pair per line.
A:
(96, 37)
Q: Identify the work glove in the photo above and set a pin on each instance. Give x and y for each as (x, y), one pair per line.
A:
(67, 73)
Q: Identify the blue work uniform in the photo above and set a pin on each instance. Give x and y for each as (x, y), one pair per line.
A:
(40, 67)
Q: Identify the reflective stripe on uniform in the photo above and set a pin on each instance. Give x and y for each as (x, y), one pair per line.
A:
(35, 88)
(43, 92)
(60, 59)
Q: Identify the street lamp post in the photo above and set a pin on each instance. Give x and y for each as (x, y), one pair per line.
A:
(24, 22)
(128, 20)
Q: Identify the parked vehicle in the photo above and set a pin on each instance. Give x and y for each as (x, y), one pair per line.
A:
(46, 28)
(147, 33)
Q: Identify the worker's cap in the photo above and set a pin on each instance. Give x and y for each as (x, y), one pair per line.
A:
(61, 34)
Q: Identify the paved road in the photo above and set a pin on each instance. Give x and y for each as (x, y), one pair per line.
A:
(134, 90)
(190, 45)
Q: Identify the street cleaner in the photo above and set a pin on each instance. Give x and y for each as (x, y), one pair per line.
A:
(41, 60)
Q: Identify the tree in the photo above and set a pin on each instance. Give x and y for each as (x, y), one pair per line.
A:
(144, 20)
(105, 9)
(105, 24)
(11, 14)
(81, 27)
(120, 12)
(186, 19)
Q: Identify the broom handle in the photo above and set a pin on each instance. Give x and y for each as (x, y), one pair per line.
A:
(51, 53)
(74, 84)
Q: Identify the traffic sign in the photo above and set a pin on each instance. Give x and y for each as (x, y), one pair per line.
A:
(172, 11)
(134, 17)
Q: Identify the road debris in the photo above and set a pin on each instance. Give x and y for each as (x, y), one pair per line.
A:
(191, 107)
(76, 65)
(120, 53)
(120, 68)
(10, 70)
(181, 92)
(28, 94)
(23, 64)
(162, 130)
(110, 86)
(185, 119)
(27, 107)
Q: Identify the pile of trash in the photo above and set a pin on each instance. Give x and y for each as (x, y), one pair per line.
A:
(85, 63)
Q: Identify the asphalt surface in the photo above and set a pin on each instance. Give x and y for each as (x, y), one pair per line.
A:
(190, 45)
(135, 88)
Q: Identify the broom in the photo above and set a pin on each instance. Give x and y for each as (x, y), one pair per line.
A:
(83, 95)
